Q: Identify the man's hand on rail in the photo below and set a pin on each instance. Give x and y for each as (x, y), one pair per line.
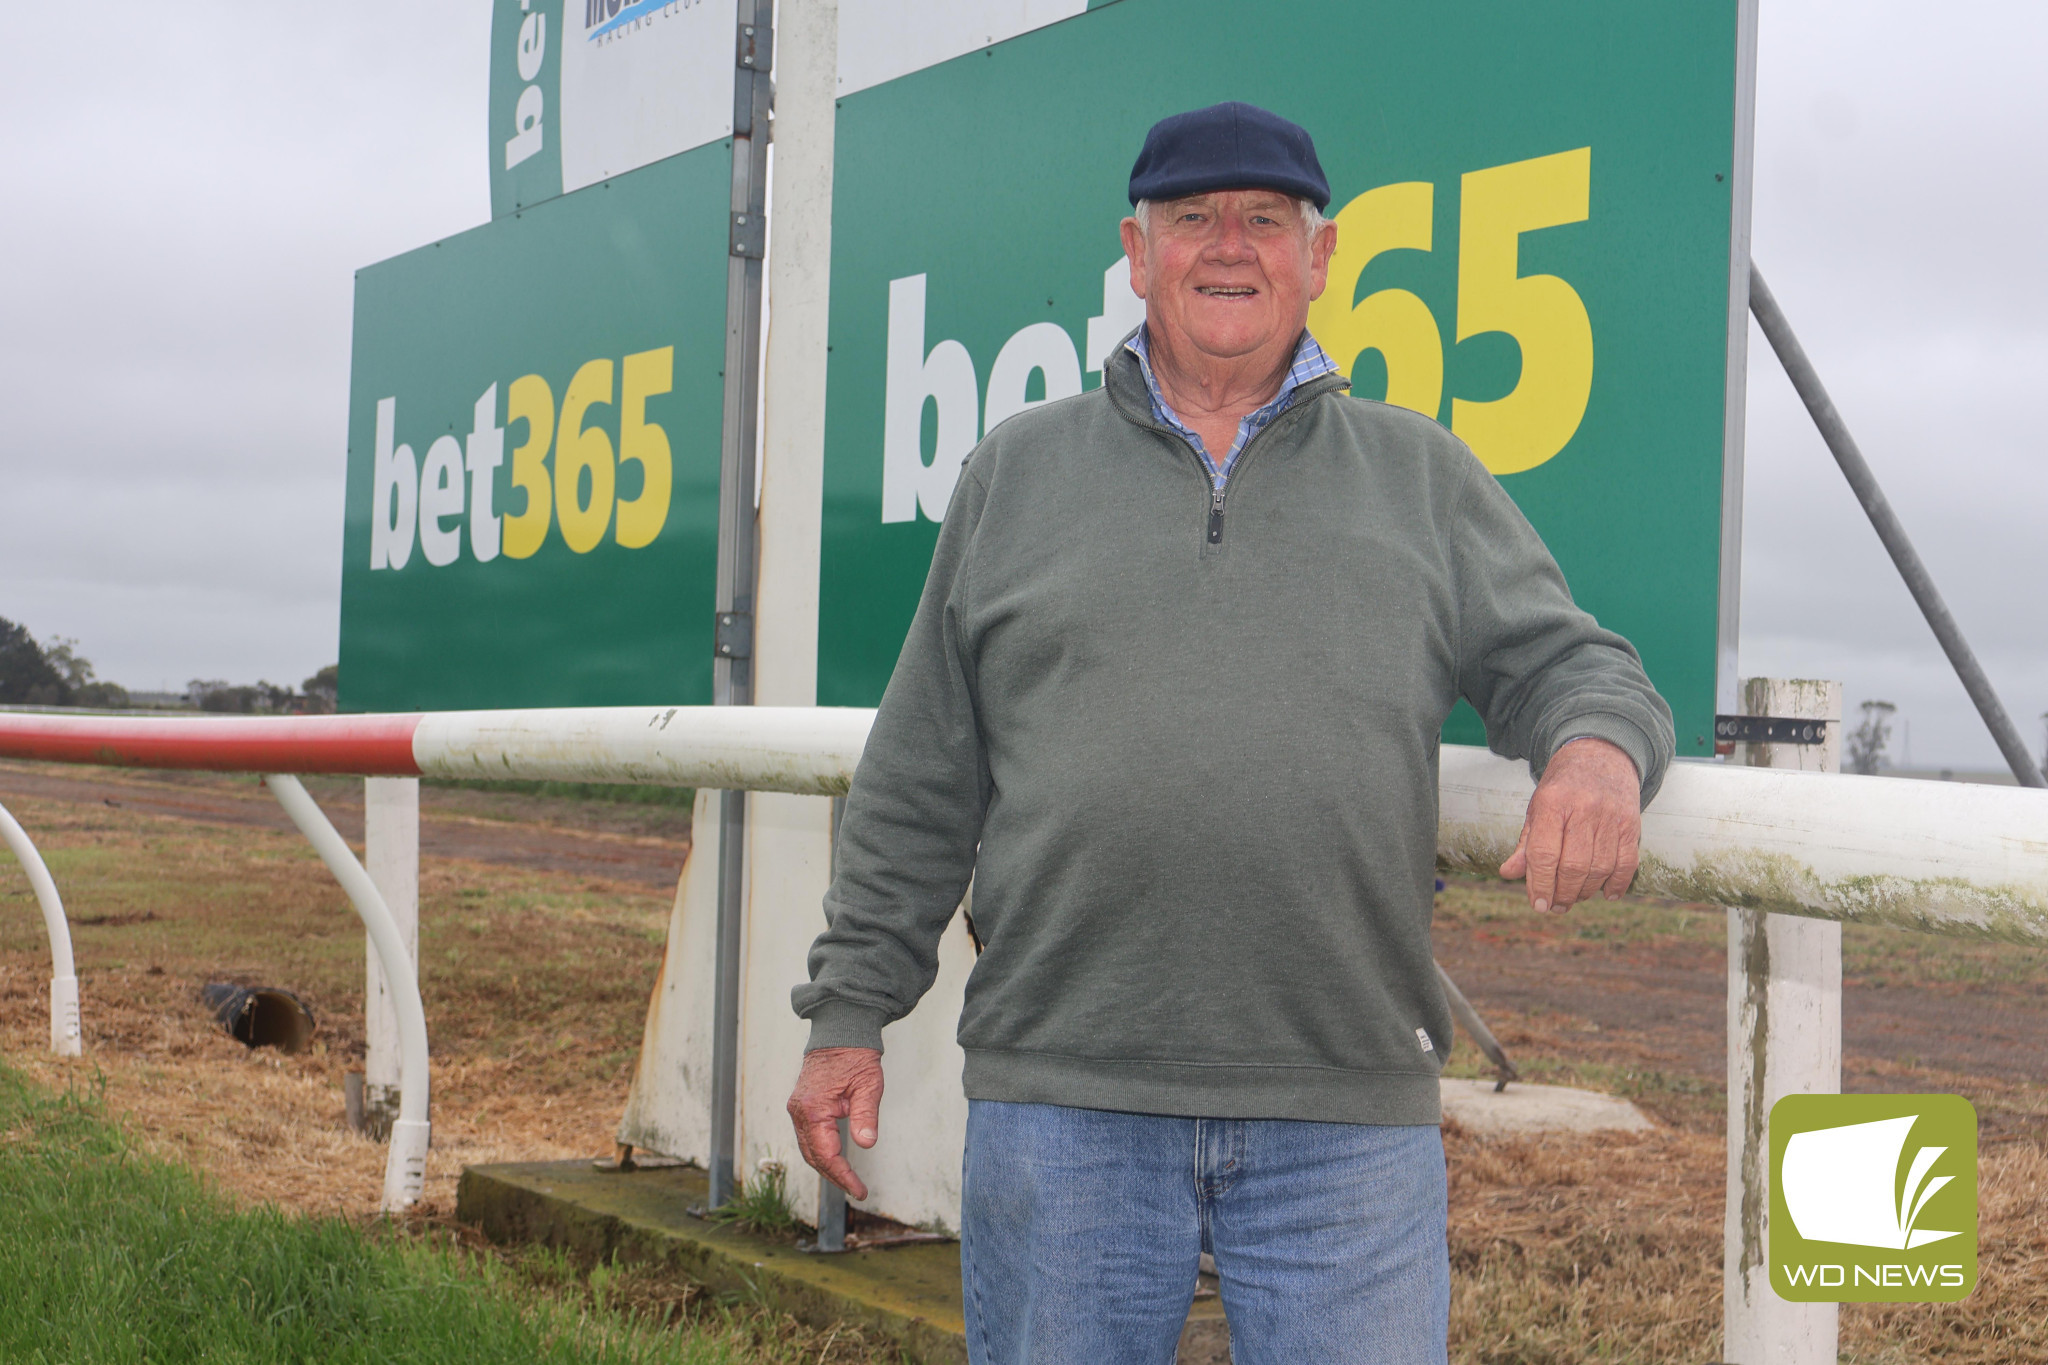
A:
(837, 1083)
(1580, 836)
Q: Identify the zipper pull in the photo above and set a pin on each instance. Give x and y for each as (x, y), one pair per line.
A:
(1216, 516)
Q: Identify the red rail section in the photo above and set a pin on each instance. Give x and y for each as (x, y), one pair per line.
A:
(373, 746)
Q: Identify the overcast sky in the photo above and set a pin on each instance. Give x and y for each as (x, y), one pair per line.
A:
(188, 194)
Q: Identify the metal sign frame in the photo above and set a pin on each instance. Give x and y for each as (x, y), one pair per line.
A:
(1742, 167)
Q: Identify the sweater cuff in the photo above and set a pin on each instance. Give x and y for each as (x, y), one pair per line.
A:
(841, 1023)
(1623, 735)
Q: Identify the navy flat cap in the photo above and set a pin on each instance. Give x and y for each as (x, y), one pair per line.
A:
(1232, 146)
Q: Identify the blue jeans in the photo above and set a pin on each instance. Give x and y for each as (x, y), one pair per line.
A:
(1080, 1230)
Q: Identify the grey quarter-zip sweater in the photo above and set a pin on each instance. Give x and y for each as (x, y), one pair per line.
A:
(1185, 745)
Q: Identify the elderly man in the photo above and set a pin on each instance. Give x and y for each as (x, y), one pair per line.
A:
(1171, 698)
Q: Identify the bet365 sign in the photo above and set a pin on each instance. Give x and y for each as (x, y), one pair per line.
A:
(1529, 425)
(1534, 209)
(576, 493)
(533, 454)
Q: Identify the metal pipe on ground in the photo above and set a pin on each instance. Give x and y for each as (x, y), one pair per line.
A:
(405, 1169)
(65, 1038)
(1778, 330)
(260, 1016)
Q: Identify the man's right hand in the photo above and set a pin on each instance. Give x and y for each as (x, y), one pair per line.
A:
(837, 1083)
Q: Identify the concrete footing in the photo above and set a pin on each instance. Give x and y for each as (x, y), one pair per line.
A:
(1523, 1108)
(907, 1294)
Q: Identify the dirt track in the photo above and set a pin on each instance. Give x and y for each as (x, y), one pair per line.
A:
(544, 919)
(1660, 1003)
(644, 845)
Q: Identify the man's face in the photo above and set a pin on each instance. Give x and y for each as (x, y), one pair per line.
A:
(1227, 273)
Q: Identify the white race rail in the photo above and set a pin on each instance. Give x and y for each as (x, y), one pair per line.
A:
(1943, 857)
(405, 1168)
(807, 750)
(65, 1040)
(1939, 857)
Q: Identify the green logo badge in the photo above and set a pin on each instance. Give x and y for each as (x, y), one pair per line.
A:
(1873, 1198)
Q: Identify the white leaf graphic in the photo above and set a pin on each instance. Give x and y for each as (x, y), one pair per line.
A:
(1839, 1182)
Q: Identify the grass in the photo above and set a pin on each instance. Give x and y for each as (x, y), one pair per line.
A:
(761, 1205)
(536, 985)
(110, 1255)
(617, 793)
(1871, 954)
(1565, 1250)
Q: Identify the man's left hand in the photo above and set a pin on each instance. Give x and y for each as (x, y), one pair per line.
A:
(1580, 837)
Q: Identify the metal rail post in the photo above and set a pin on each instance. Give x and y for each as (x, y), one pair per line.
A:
(65, 1039)
(832, 1199)
(405, 1169)
(391, 855)
(732, 669)
(1784, 1038)
(1886, 522)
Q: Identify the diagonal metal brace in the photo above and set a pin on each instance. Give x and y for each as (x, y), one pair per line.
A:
(1890, 530)
(1462, 1011)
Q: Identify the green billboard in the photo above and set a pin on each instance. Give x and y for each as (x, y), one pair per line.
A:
(586, 90)
(533, 453)
(525, 104)
(1534, 208)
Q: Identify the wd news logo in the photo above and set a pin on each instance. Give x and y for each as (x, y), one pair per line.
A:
(1873, 1198)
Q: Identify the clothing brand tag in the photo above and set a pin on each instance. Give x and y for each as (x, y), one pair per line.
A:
(1873, 1198)
(1423, 1038)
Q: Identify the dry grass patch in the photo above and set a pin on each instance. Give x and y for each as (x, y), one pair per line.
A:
(536, 982)
(535, 986)
(1570, 1249)
(1565, 1248)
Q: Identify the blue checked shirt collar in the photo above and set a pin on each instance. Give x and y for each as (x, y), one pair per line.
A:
(1310, 362)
